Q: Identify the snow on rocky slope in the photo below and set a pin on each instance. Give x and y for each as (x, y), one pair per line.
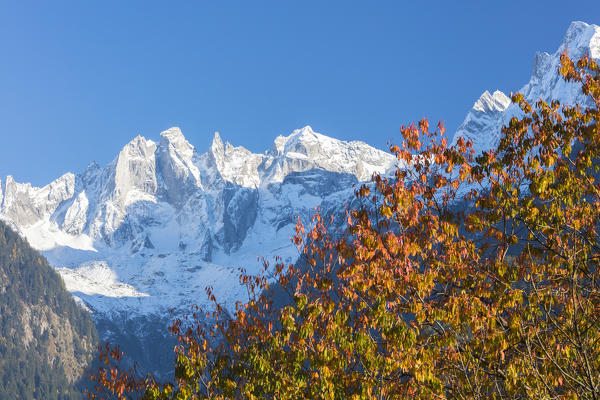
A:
(490, 112)
(153, 228)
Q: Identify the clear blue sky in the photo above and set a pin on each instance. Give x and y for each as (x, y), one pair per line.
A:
(79, 79)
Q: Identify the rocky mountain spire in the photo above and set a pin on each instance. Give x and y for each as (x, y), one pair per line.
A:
(483, 122)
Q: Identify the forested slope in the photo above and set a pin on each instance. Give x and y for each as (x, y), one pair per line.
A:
(46, 339)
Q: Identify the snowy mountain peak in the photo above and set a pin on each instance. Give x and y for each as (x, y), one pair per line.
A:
(283, 143)
(134, 175)
(172, 133)
(581, 39)
(217, 148)
(306, 149)
(25, 204)
(176, 162)
(483, 123)
(490, 103)
(306, 142)
(217, 152)
(217, 141)
(306, 131)
(173, 140)
(139, 146)
(174, 137)
(485, 112)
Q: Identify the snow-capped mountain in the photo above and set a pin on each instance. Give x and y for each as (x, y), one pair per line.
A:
(159, 223)
(491, 112)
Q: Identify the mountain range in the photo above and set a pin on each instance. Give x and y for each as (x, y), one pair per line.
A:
(150, 230)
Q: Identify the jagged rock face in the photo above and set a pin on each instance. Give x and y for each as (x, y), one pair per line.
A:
(486, 112)
(26, 205)
(75, 217)
(62, 338)
(483, 123)
(150, 185)
(177, 169)
(241, 208)
(168, 220)
(307, 150)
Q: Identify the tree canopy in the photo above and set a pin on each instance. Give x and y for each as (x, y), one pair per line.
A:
(463, 276)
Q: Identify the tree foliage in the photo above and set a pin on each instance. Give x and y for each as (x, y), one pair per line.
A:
(463, 276)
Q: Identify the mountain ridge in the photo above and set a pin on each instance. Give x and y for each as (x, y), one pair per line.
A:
(164, 198)
(482, 125)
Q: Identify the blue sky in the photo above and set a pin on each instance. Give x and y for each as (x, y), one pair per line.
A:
(79, 79)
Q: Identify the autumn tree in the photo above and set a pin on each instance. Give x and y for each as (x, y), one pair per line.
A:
(462, 276)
